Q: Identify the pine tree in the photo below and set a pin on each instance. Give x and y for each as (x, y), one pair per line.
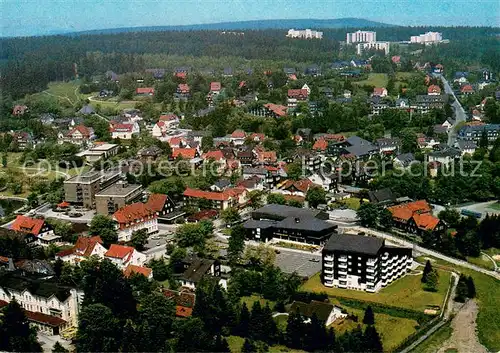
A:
(432, 281)
(461, 290)
(295, 330)
(372, 341)
(427, 270)
(471, 288)
(255, 329)
(221, 345)
(58, 348)
(369, 318)
(243, 322)
(269, 327)
(248, 346)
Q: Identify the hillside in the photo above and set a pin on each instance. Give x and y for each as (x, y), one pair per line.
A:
(251, 25)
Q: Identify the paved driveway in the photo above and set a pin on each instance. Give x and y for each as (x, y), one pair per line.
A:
(289, 262)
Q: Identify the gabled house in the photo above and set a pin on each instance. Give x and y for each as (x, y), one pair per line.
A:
(183, 91)
(195, 269)
(295, 187)
(238, 137)
(388, 145)
(185, 153)
(160, 204)
(327, 181)
(295, 96)
(123, 256)
(19, 110)
(124, 131)
(41, 230)
(467, 89)
(131, 270)
(184, 301)
(416, 217)
(325, 312)
(466, 147)
(379, 92)
(133, 217)
(84, 248)
(79, 135)
(232, 197)
(227, 72)
(434, 90)
(404, 160)
(266, 157)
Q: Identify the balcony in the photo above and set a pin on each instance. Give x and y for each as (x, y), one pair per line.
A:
(343, 258)
(342, 272)
(328, 263)
(328, 258)
(342, 266)
(328, 278)
(371, 269)
(328, 270)
(371, 262)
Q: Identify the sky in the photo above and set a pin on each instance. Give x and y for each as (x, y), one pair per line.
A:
(35, 17)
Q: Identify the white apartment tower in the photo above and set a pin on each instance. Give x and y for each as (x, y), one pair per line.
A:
(304, 34)
(427, 38)
(361, 37)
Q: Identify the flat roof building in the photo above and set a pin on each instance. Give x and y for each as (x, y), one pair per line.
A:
(114, 197)
(81, 189)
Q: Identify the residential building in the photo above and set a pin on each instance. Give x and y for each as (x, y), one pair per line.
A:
(324, 312)
(445, 156)
(466, 89)
(183, 91)
(184, 301)
(289, 223)
(295, 187)
(361, 37)
(79, 135)
(22, 139)
(82, 250)
(388, 145)
(161, 204)
(99, 152)
(145, 91)
(131, 270)
(195, 268)
(116, 196)
(466, 147)
(434, 90)
(23, 237)
(49, 306)
(327, 181)
(475, 132)
(362, 263)
(295, 96)
(150, 154)
(381, 197)
(41, 230)
(381, 46)
(123, 256)
(427, 38)
(416, 217)
(19, 110)
(404, 160)
(424, 103)
(133, 217)
(380, 92)
(304, 34)
(231, 197)
(124, 131)
(81, 189)
(270, 110)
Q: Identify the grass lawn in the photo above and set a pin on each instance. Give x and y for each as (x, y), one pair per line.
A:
(352, 202)
(392, 330)
(495, 206)
(481, 261)
(66, 90)
(487, 289)
(494, 252)
(405, 292)
(249, 300)
(433, 343)
(375, 79)
(114, 104)
(281, 321)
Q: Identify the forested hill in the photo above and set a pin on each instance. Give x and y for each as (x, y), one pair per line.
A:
(251, 25)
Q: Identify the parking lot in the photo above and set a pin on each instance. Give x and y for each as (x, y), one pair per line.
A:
(299, 262)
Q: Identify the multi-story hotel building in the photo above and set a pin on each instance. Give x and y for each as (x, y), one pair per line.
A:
(50, 307)
(361, 37)
(427, 38)
(362, 263)
(304, 33)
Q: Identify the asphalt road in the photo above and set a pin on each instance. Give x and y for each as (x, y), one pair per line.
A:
(460, 115)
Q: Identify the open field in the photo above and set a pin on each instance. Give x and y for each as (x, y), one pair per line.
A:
(249, 300)
(481, 261)
(433, 343)
(393, 330)
(65, 90)
(374, 79)
(487, 289)
(405, 292)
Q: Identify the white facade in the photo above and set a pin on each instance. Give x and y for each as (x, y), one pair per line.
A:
(361, 47)
(125, 232)
(305, 34)
(427, 38)
(67, 310)
(137, 258)
(76, 257)
(361, 37)
(126, 133)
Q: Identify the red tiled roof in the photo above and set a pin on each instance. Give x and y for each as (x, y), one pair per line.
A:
(301, 185)
(168, 117)
(279, 110)
(28, 225)
(267, 156)
(258, 136)
(145, 90)
(334, 137)
(119, 251)
(44, 318)
(407, 210)
(466, 88)
(131, 269)
(132, 212)
(181, 74)
(82, 129)
(19, 109)
(208, 195)
(182, 311)
(63, 204)
(378, 91)
(216, 155)
(186, 153)
(296, 93)
(425, 221)
(242, 84)
(203, 215)
(320, 144)
(83, 246)
(434, 89)
(122, 127)
(184, 302)
(215, 86)
(4, 259)
(396, 59)
(238, 134)
(156, 202)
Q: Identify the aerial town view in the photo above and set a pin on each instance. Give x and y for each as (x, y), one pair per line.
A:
(220, 176)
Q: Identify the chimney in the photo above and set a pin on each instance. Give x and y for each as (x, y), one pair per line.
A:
(11, 265)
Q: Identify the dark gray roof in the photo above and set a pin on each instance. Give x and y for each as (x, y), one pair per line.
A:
(440, 129)
(306, 223)
(197, 269)
(36, 286)
(354, 243)
(254, 223)
(388, 142)
(447, 152)
(280, 212)
(321, 309)
(406, 158)
(382, 195)
(222, 183)
(466, 145)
